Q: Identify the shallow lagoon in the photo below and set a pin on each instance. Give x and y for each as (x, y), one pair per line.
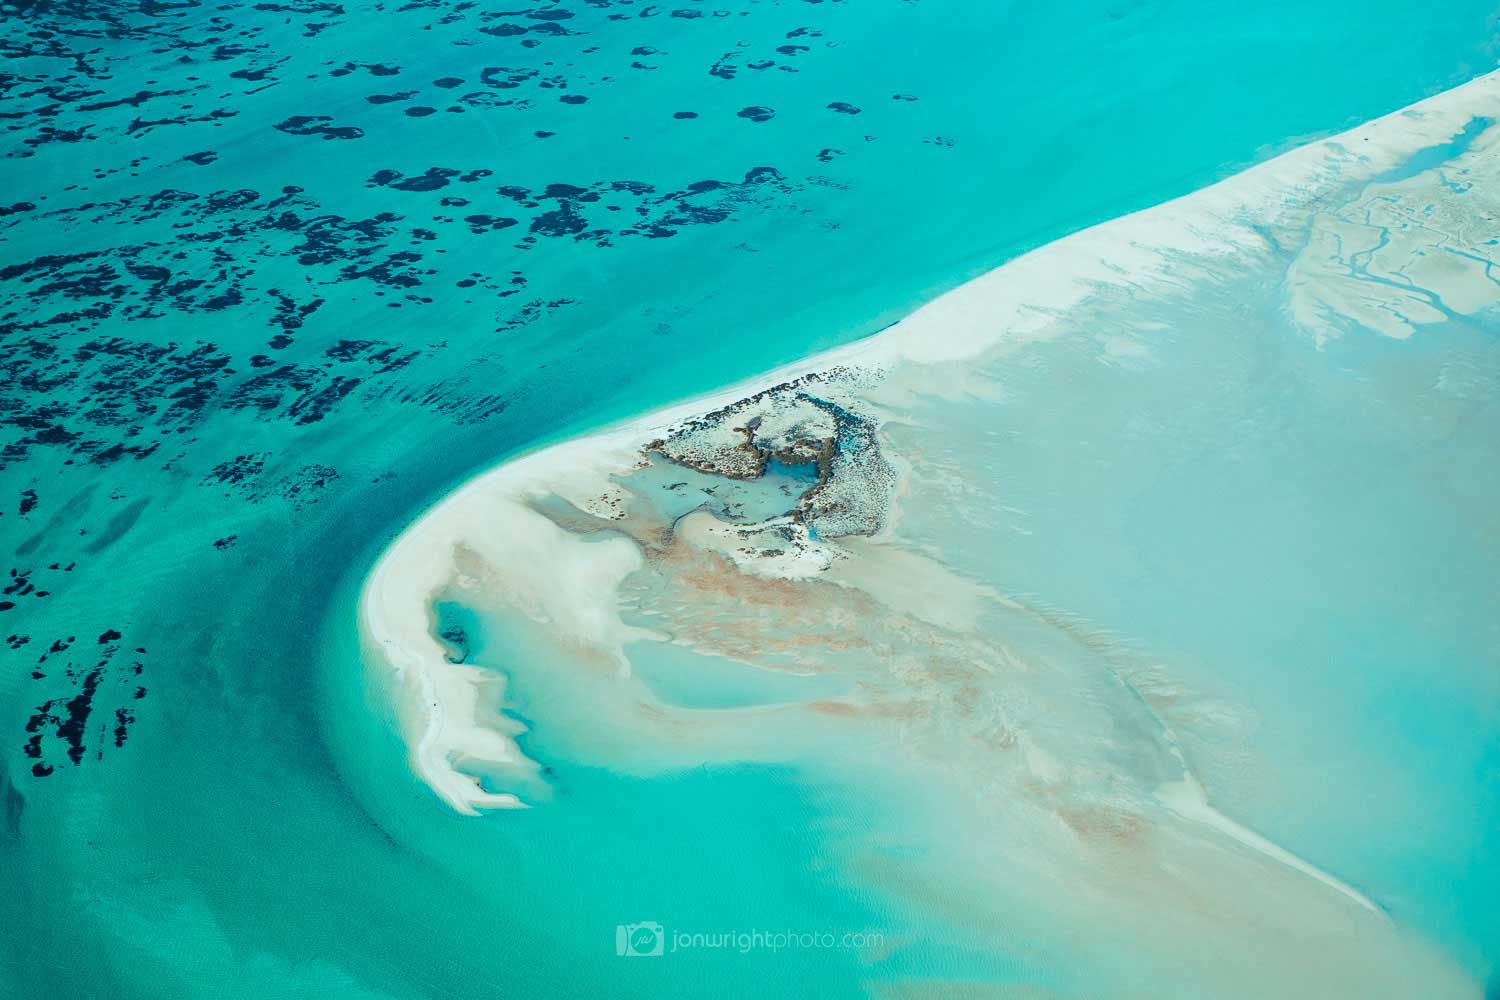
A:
(225, 844)
(1160, 602)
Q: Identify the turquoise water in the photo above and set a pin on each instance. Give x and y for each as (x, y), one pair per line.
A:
(225, 395)
(1299, 532)
(1224, 524)
(681, 678)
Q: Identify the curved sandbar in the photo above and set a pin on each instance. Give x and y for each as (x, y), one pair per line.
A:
(809, 522)
(1151, 249)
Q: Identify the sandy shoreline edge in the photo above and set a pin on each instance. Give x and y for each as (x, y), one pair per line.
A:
(440, 704)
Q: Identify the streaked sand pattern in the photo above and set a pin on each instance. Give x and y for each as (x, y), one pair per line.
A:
(999, 719)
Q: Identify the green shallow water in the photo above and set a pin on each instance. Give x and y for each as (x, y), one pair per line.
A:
(1192, 523)
(256, 831)
(1303, 534)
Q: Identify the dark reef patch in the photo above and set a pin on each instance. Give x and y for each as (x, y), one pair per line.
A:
(195, 251)
(60, 726)
(316, 125)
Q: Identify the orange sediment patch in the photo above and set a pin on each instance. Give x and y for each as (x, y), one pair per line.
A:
(1102, 822)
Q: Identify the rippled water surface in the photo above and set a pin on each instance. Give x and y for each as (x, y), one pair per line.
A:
(274, 277)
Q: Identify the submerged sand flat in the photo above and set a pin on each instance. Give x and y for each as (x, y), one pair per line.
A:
(853, 526)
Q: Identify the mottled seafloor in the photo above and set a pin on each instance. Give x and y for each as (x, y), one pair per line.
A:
(275, 278)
